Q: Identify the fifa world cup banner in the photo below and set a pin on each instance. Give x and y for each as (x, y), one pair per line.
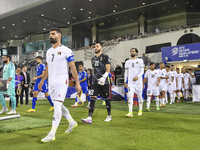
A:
(181, 52)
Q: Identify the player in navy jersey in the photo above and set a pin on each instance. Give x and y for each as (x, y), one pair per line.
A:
(83, 82)
(100, 82)
(40, 72)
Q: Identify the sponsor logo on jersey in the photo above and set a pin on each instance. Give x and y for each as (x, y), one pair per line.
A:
(59, 53)
(136, 62)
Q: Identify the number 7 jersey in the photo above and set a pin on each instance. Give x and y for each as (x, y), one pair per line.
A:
(58, 60)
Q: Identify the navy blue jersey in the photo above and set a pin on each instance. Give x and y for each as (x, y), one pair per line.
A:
(197, 76)
(99, 66)
(39, 70)
(81, 76)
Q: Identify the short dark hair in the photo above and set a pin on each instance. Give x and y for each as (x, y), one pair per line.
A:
(39, 57)
(80, 63)
(161, 63)
(198, 66)
(8, 56)
(23, 66)
(172, 65)
(167, 66)
(152, 63)
(177, 68)
(100, 43)
(136, 50)
(56, 29)
(190, 69)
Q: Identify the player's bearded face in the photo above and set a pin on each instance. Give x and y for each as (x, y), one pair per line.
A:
(5, 60)
(53, 40)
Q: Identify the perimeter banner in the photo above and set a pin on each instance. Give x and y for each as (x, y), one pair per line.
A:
(181, 52)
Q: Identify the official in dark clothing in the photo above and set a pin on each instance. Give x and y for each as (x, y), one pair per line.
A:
(25, 86)
(197, 75)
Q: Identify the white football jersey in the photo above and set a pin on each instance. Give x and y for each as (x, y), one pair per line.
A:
(162, 73)
(57, 60)
(133, 67)
(186, 77)
(179, 77)
(152, 77)
(170, 75)
(192, 79)
(174, 73)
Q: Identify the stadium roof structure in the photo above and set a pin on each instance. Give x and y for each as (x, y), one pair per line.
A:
(34, 19)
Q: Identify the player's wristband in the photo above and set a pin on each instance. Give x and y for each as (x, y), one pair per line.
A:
(105, 74)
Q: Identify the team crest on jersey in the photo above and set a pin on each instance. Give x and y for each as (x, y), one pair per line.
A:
(59, 53)
(136, 62)
(101, 59)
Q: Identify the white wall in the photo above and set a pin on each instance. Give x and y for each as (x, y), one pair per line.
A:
(122, 50)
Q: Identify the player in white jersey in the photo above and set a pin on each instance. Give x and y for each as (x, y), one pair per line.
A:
(186, 83)
(179, 81)
(153, 78)
(134, 69)
(173, 83)
(169, 84)
(163, 84)
(58, 59)
(192, 81)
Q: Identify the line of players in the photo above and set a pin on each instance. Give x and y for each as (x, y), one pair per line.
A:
(166, 79)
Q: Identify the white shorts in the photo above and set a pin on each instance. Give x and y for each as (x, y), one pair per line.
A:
(174, 86)
(58, 92)
(135, 88)
(186, 87)
(153, 91)
(179, 86)
(170, 88)
(163, 87)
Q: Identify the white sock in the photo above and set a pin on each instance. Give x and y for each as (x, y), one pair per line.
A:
(186, 94)
(171, 98)
(190, 94)
(179, 95)
(56, 117)
(174, 97)
(166, 98)
(140, 101)
(130, 102)
(148, 102)
(157, 102)
(160, 100)
(163, 101)
(66, 114)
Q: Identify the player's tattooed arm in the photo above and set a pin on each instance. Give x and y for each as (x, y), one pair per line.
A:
(44, 77)
(75, 75)
(83, 79)
(39, 76)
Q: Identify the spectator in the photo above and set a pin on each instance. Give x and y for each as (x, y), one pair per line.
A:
(25, 85)
(157, 30)
(197, 75)
(145, 59)
(117, 72)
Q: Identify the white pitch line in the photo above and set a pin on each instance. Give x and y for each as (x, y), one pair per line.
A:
(179, 107)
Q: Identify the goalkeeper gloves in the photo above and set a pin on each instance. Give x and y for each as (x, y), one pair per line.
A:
(102, 80)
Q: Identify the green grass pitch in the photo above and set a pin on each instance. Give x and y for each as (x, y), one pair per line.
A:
(175, 127)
